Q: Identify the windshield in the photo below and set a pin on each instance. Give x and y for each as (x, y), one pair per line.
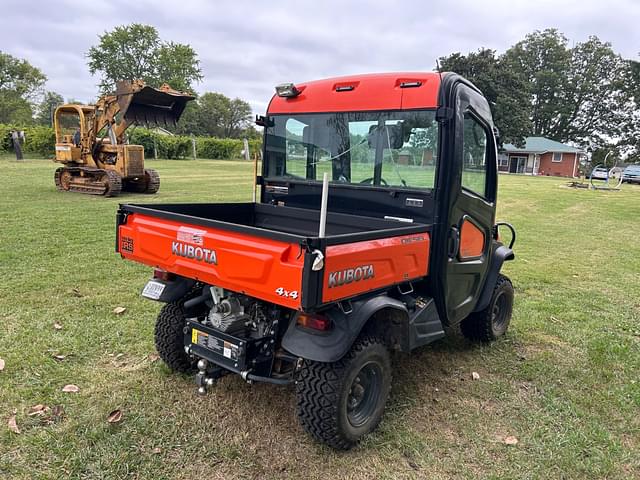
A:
(381, 148)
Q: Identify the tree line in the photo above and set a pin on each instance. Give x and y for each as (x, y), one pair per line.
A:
(133, 51)
(585, 94)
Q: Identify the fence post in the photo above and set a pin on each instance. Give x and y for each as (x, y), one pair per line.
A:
(193, 146)
(246, 149)
(155, 148)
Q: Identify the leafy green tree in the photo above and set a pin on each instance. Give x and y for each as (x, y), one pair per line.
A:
(20, 84)
(14, 109)
(223, 117)
(135, 51)
(504, 89)
(576, 94)
(542, 60)
(47, 107)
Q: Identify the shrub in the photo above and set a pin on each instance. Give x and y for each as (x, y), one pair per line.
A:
(41, 140)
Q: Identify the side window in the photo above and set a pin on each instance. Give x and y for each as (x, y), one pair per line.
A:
(296, 149)
(474, 160)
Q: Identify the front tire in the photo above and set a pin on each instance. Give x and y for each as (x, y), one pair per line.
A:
(169, 338)
(340, 402)
(492, 322)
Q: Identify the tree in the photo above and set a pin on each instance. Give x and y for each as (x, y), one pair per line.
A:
(20, 84)
(504, 89)
(47, 107)
(576, 94)
(542, 61)
(136, 51)
(223, 117)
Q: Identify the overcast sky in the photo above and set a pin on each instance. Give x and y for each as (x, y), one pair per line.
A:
(245, 48)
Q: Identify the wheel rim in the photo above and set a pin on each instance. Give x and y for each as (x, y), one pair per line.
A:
(499, 313)
(364, 394)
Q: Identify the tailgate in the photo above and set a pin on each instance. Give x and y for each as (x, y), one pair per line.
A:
(265, 268)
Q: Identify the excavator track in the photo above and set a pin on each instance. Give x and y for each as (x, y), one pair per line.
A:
(150, 183)
(153, 180)
(91, 181)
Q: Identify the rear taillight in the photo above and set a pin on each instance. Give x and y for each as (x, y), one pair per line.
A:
(314, 321)
(160, 274)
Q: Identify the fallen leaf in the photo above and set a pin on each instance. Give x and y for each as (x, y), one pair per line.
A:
(59, 357)
(119, 310)
(1, 364)
(510, 440)
(71, 389)
(157, 450)
(13, 426)
(57, 326)
(76, 292)
(475, 375)
(154, 357)
(39, 409)
(115, 416)
(120, 355)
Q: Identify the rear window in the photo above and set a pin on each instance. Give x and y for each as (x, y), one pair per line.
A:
(396, 149)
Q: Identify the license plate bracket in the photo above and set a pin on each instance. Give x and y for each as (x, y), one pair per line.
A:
(153, 289)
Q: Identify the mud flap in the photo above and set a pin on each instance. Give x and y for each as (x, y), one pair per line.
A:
(411, 330)
(500, 255)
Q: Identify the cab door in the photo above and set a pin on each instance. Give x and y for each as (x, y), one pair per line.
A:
(467, 187)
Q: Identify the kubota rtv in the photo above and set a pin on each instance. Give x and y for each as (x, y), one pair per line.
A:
(316, 285)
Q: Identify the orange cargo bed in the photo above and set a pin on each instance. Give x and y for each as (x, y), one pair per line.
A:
(267, 251)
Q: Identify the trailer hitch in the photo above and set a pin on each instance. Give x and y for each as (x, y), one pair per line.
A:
(207, 377)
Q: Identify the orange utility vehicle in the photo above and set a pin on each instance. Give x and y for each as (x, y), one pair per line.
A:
(319, 280)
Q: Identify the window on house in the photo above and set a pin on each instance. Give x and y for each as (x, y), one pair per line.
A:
(474, 162)
(557, 156)
(503, 161)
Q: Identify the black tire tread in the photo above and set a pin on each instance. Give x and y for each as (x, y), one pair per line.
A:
(168, 337)
(318, 391)
(477, 326)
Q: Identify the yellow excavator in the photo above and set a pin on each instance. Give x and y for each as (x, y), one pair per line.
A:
(92, 144)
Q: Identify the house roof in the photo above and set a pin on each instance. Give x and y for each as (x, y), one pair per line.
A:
(541, 145)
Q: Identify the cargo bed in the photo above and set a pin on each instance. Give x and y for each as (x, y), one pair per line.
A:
(267, 251)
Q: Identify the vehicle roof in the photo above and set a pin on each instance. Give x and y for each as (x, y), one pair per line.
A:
(541, 145)
(373, 91)
(632, 167)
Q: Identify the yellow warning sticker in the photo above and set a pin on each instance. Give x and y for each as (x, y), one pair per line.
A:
(194, 336)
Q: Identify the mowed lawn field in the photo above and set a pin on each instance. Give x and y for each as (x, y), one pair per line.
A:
(564, 382)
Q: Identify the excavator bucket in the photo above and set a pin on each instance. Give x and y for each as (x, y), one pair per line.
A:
(146, 105)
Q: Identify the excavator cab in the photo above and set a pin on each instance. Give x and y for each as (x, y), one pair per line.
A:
(71, 124)
(92, 145)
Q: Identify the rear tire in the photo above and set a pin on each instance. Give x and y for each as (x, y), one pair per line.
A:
(169, 338)
(340, 402)
(492, 322)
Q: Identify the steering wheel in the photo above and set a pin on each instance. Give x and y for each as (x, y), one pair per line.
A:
(370, 180)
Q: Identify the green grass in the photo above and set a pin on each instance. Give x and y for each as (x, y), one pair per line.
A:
(564, 381)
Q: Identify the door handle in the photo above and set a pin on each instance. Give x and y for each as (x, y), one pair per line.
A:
(454, 242)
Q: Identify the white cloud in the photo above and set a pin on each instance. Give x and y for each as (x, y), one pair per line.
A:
(246, 48)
